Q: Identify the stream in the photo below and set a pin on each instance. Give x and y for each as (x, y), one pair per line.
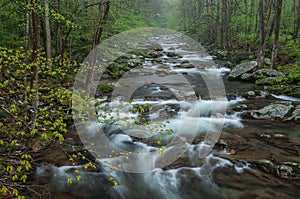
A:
(189, 141)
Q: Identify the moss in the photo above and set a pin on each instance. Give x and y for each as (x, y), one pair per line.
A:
(279, 89)
(105, 88)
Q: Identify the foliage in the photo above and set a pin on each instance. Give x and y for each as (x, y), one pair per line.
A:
(18, 96)
(105, 88)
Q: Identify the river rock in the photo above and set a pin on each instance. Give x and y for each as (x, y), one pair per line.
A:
(172, 54)
(278, 110)
(242, 69)
(247, 77)
(255, 94)
(295, 116)
(135, 62)
(91, 184)
(154, 46)
(154, 54)
(266, 81)
(287, 170)
(268, 62)
(268, 72)
(186, 65)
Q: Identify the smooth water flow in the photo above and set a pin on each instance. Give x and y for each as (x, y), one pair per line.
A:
(146, 160)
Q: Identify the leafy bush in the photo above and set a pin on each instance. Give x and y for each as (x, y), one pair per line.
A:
(31, 109)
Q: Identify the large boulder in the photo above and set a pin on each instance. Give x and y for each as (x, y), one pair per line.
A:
(273, 111)
(241, 69)
(283, 110)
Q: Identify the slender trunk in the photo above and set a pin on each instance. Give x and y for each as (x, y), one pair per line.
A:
(212, 33)
(36, 35)
(261, 53)
(273, 20)
(217, 22)
(57, 31)
(184, 16)
(27, 28)
(246, 28)
(95, 37)
(223, 28)
(104, 8)
(264, 28)
(27, 32)
(103, 22)
(48, 34)
(277, 30)
(34, 69)
(295, 36)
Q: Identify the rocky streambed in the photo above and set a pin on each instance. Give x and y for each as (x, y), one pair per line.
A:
(255, 156)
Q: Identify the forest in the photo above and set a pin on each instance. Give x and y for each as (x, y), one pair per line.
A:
(44, 43)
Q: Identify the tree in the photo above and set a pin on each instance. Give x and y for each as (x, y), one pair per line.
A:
(277, 30)
(264, 24)
(48, 34)
(296, 32)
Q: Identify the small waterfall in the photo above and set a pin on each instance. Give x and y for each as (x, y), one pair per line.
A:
(139, 161)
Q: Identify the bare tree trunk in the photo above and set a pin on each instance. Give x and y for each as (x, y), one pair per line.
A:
(264, 27)
(218, 23)
(102, 22)
(295, 35)
(27, 27)
(184, 16)
(27, 32)
(104, 8)
(212, 33)
(57, 31)
(273, 20)
(223, 28)
(277, 30)
(34, 69)
(48, 34)
(36, 34)
(261, 53)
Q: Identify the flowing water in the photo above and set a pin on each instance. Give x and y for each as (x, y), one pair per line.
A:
(146, 160)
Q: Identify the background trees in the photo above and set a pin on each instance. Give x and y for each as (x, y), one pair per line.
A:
(257, 27)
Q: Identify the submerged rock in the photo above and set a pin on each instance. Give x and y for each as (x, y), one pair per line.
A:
(242, 69)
